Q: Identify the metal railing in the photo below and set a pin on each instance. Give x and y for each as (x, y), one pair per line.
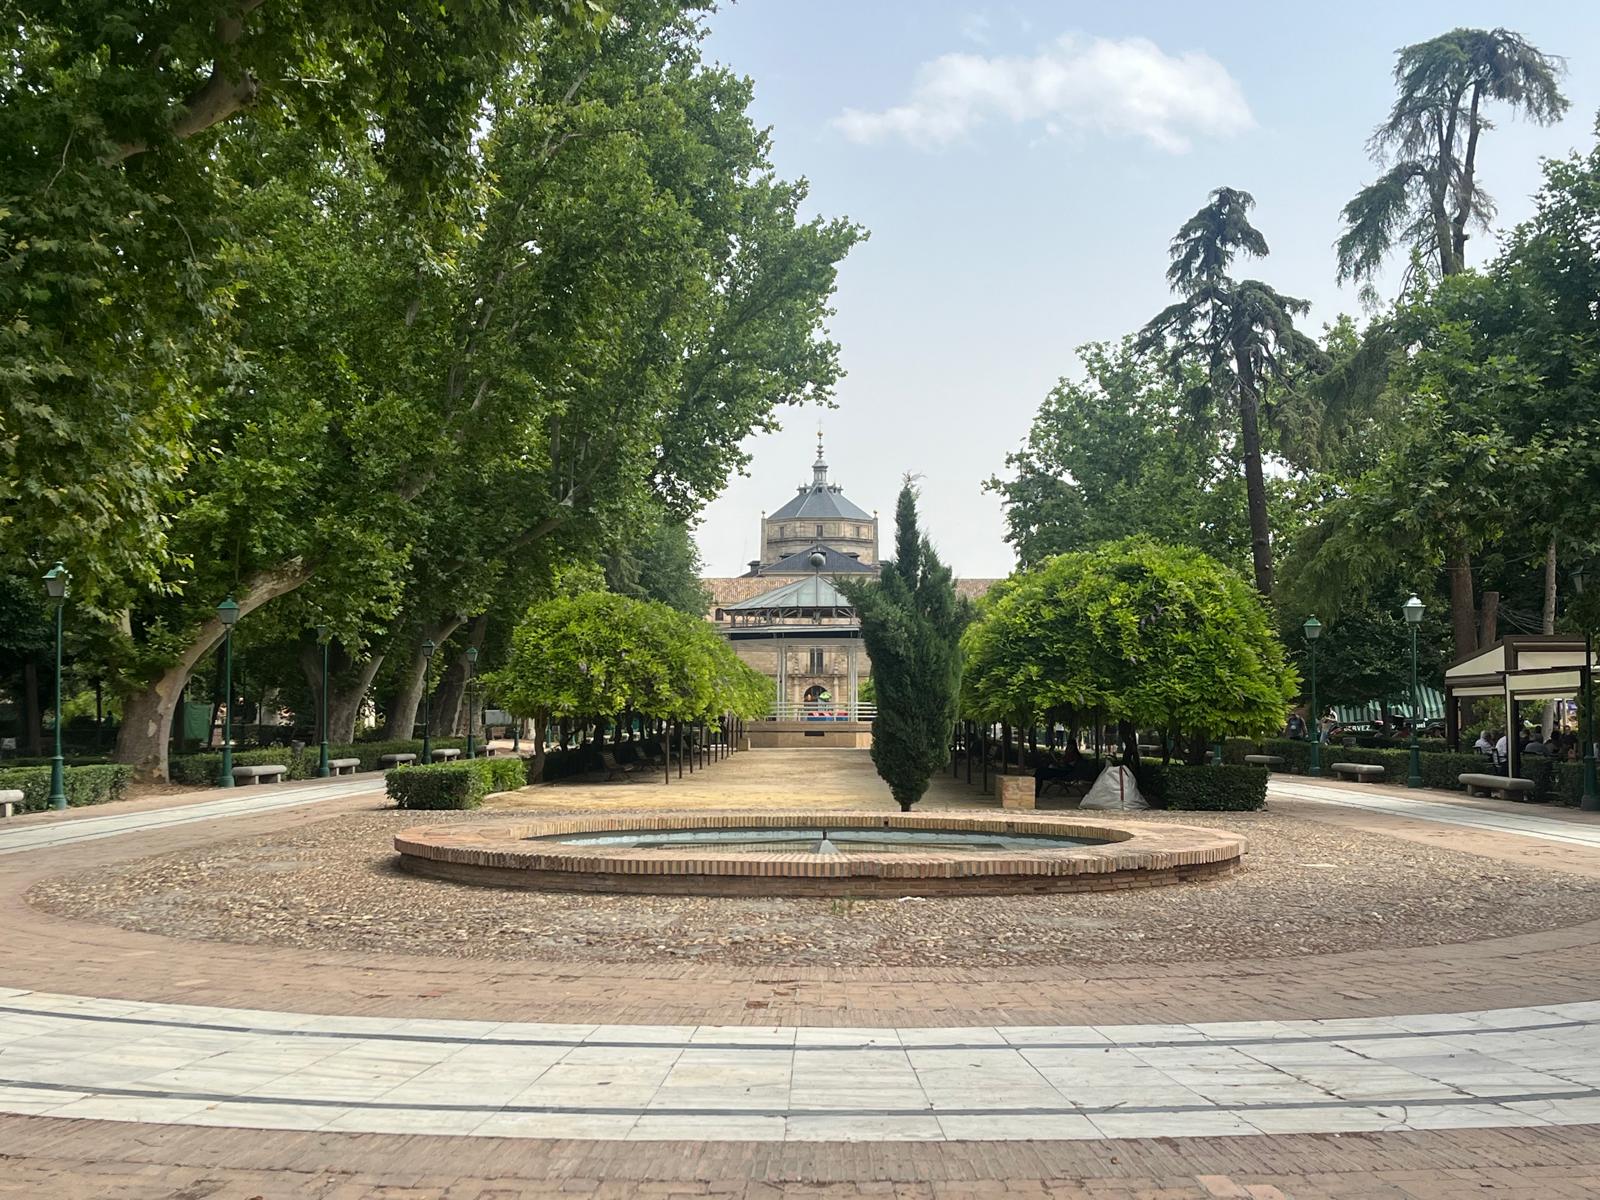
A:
(819, 710)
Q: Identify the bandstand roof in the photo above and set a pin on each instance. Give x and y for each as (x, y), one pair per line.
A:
(805, 595)
(1543, 666)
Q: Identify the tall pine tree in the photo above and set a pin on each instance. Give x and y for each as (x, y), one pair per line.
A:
(911, 622)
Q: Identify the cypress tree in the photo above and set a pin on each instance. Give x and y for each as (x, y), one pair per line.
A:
(911, 622)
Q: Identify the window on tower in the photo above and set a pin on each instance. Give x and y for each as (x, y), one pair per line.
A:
(819, 530)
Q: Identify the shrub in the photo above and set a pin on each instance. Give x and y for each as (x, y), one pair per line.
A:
(1228, 788)
(454, 785)
(83, 785)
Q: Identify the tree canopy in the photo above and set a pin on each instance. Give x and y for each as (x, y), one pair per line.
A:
(1150, 636)
(911, 621)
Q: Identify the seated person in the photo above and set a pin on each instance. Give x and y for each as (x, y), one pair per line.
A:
(1536, 746)
(1485, 743)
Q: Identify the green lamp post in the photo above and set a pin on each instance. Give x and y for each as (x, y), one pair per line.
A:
(323, 770)
(1413, 612)
(55, 586)
(472, 710)
(427, 663)
(228, 614)
(1312, 628)
(1590, 801)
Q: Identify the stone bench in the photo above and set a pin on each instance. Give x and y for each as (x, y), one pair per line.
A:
(395, 760)
(1504, 786)
(344, 766)
(9, 799)
(1358, 772)
(1264, 760)
(446, 755)
(265, 773)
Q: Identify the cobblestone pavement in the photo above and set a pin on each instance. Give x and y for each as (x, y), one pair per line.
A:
(80, 1155)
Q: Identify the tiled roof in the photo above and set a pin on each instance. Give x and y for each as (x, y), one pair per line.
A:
(834, 562)
(820, 500)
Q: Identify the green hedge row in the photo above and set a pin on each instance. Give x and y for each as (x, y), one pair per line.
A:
(1227, 788)
(83, 785)
(201, 770)
(454, 784)
(1554, 781)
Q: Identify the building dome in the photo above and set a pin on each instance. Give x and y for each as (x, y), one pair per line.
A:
(818, 519)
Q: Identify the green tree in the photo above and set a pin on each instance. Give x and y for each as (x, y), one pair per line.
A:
(1149, 636)
(1429, 196)
(660, 561)
(911, 622)
(1240, 333)
(1123, 452)
(115, 205)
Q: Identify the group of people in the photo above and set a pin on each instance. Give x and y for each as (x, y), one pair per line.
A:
(1561, 745)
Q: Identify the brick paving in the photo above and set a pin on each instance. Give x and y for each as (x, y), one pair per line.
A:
(117, 1161)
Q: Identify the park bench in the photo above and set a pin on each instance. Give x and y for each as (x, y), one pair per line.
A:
(1358, 772)
(614, 768)
(395, 760)
(1504, 786)
(445, 755)
(9, 799)
(1271, 761)
(265, 773)
(343, 766)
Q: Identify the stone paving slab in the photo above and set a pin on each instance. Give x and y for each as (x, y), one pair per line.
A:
(166, 1064)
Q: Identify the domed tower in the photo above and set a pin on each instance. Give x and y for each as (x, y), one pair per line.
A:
(819, 518)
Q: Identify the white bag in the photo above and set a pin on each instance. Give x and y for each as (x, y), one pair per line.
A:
(1115, 791)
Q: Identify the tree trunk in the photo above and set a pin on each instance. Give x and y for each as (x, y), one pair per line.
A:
(32, 724)
(400, 718)
(344, 704)
(453, 687)
(1463, 605)
(1489, 620)
(147, 715)
(1254, 480)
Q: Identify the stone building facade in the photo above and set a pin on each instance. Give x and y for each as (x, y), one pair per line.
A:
(785, 615)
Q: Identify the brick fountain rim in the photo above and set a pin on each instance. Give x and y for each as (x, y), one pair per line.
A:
(1136, 854)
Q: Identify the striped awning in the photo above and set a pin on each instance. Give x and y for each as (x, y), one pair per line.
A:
(1356, 714)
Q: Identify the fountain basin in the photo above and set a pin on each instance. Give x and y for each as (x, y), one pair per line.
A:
(776, 854)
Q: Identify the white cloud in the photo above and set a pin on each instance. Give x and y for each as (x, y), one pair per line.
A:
(1112, 87)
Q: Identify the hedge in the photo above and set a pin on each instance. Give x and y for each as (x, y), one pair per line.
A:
(83, 785)
(1227, 788)
(201, 770)
(454, 784)
(1556, 781)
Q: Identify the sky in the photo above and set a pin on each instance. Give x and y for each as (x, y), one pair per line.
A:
(1022, 168)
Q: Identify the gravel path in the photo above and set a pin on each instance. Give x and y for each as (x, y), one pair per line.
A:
(1308, 888)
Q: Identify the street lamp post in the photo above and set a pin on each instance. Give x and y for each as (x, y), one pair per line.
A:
(472, 712)
(1313, 630)
(1590, 801)
(427, 663)
(228, 614)
(323, 770)
(1413, 611)
(55, 586)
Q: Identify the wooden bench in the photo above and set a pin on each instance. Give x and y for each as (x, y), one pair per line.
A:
(1504, 786)
(446, 755)
(266, 773)
(1271, 761)
(344, 766)
(614, 768)
(1358, 772)
(395, 760)
(9, 799)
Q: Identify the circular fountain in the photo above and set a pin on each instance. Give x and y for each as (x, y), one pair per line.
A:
(817, 854)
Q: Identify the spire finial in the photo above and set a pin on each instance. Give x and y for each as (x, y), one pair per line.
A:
(819, 441)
